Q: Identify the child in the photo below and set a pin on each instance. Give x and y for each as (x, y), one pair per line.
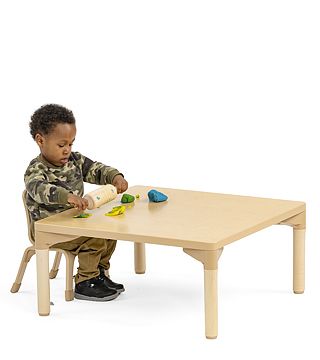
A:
(54, 183)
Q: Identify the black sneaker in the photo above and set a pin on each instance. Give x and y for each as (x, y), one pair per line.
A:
(109, 283)
(94, 290)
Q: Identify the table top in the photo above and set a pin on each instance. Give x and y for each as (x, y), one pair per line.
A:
(189, 219)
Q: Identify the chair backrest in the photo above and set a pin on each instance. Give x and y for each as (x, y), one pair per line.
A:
(24, 199)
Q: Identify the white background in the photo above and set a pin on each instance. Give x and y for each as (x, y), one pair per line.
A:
(218, 96)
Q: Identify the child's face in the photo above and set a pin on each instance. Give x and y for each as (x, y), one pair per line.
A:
(56, 146)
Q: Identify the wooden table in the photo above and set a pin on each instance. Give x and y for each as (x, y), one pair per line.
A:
(201, 223)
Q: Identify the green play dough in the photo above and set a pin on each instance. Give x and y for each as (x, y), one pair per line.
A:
(127, 198)
(82, 215)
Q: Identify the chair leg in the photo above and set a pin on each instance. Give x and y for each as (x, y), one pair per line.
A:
(27, 255)
(55, 267)
(69, 293)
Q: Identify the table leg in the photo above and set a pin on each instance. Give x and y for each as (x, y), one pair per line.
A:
(211, 303)
(210, 263)
(43, 282)
(298, 222)
(139, 258)
(298, 260)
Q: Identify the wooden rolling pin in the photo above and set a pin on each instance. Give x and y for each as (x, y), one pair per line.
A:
(101, 196)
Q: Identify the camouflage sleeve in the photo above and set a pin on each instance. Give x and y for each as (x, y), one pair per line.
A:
(41, 190)
(95, 172)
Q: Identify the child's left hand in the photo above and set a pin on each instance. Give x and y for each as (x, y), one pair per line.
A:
(120, 183)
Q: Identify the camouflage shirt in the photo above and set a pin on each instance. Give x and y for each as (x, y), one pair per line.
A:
(48, 185)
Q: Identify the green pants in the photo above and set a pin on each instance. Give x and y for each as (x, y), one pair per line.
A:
(92, 253)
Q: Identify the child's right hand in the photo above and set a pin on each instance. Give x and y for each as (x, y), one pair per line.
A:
(78, 202)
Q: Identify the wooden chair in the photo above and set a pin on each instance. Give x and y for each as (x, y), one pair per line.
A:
(30, 251)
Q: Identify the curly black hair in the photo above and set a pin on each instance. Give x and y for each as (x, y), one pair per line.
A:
(47, 117)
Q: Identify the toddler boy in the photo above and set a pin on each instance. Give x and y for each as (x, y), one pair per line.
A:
(54, 183)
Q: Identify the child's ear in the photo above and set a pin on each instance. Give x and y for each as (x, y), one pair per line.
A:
(39, 139)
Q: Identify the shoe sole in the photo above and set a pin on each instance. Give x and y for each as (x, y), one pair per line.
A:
(91, 298)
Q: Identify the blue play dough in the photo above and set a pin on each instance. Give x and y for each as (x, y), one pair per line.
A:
(156, 196)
